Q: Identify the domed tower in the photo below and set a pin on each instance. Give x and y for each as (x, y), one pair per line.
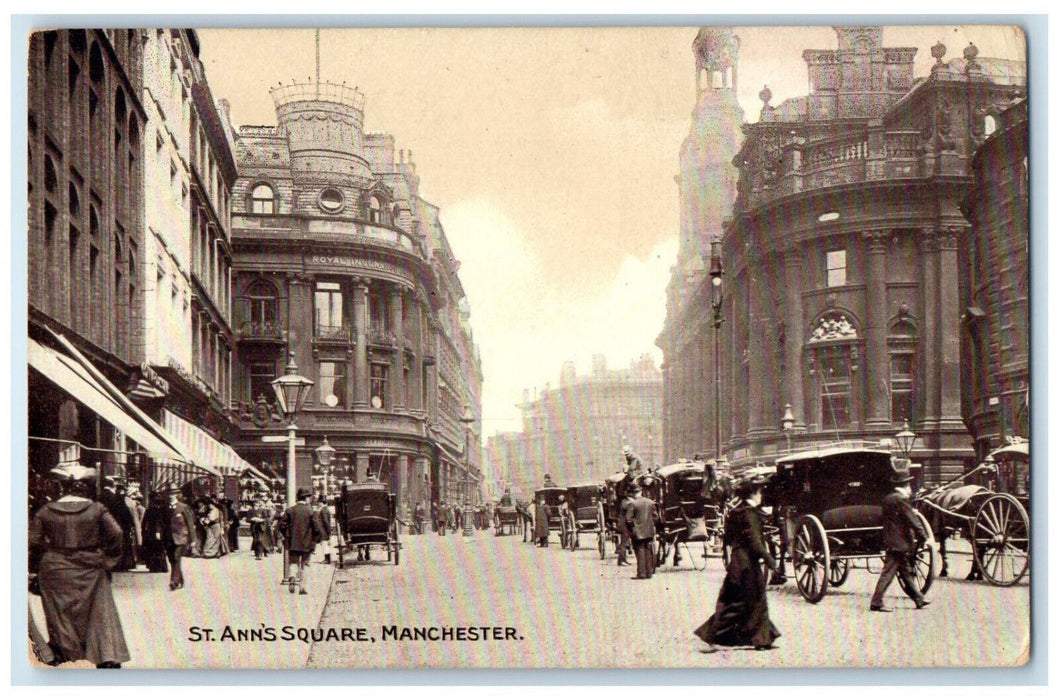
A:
(324, 127)
(717, 53)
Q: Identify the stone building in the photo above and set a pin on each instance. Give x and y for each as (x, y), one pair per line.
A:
(339, 263)
(127, 157)
(994, 281)
(842, 254)
(576, 432)
(707, 185)
(189, 171)
(85, 241)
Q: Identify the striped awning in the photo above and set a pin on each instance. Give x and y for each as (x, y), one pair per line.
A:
(205, 448)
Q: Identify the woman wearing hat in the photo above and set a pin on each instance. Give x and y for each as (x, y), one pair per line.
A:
(155, 527)
(74, 543)
(741, 616)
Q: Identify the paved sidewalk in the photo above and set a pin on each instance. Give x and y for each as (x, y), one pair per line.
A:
(166, 629)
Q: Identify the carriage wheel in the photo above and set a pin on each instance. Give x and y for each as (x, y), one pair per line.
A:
(811, 557)
(838, 572)
(1000, 534)
(922, 562)
(726, 553)
(601, 544)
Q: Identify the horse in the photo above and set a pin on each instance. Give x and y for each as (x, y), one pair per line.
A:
(525, 519)
(949, 509)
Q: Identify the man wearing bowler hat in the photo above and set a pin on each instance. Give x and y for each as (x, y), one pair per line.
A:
(640, 515)
(902, 534)
(301, 531)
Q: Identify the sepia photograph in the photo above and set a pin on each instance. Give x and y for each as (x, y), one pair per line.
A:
(509, 347)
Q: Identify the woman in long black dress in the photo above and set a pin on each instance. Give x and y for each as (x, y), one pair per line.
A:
(742, 616)
(155, 526)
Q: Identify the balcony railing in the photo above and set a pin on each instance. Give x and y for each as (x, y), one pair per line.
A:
(260, 330)
(382, 337)
(335, 333)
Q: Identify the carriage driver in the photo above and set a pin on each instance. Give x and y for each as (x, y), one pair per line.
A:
(902, 536)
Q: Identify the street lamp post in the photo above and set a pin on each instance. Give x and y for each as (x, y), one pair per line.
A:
(906, 440)
(716, 299)
(468, 511)
(788, 423)
(324, 454)
(291, 391)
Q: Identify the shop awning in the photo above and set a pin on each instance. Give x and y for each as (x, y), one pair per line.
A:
(205, 448)
(102, 397)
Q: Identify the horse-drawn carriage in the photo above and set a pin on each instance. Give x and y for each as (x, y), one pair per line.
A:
(584, 515)
(555, 503)
(677, 490)
(366, 515)
(827, 504)
(989, 506)
(505, 516)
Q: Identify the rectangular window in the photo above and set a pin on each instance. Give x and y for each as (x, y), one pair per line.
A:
(332, 384)
(902, 399)
(328, 307)
(379, 376)
(261, 376)
(836, 268)
(835, 400)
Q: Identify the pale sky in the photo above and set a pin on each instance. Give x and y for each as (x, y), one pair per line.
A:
(552, 155)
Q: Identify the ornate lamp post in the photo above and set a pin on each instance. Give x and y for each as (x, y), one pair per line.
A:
(324, 454)
(788, 423)
(716, 300)
(468, 511)
(291, 391)
(905, 440)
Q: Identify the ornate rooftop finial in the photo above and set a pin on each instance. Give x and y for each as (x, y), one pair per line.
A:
(938, 51)
(765, 95)
(969, 55)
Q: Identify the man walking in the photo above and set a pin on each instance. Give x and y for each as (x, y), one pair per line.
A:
(181, 530)
(902, 535)
(640, 515)
(301, 531)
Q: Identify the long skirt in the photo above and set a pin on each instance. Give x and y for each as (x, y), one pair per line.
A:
(79, 608)
(741, 616)
(261, 544)
(154, 556)
(211, 543)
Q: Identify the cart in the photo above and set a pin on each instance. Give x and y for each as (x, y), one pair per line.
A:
(989, 506)
(584, 515)
(366, 516)
(827, 504)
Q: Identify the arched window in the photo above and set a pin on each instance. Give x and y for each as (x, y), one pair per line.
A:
(375, 209)
(833, 363)
(261, 307)
(262, 200)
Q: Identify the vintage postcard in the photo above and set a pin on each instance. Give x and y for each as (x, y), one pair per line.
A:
(519, 348)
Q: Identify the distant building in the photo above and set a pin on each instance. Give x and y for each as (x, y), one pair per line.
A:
(576, 432)
(995, 366)
(707, 184)
(340, 264)
(842, 255)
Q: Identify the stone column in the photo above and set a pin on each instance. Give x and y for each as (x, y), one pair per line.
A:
(875, 331)
(928, 293)
(795, 336)
(397, 392)
(299, 326)
(360, 364)
(756, 348)
(416, 317)
(403, 482)
(948, 346)
(421, 469)
(362, 467)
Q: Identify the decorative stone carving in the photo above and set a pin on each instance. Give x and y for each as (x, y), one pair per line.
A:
(833, 326)
(938, 52)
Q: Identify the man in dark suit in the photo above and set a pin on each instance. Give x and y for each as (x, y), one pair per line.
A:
(640, 516)
(903, 533)
(301, 531)
(181, 530)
